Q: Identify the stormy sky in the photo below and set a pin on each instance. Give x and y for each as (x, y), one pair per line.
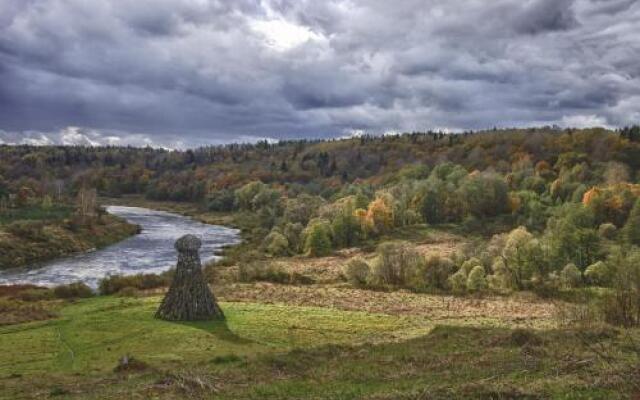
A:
(182, 73)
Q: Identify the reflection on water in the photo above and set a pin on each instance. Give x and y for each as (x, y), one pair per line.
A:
(149, 252)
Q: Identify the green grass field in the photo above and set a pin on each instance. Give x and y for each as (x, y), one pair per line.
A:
(277, 352)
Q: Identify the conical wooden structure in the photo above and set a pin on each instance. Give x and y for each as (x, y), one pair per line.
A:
(189, 297)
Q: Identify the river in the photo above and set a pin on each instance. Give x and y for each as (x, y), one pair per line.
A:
(151, 251)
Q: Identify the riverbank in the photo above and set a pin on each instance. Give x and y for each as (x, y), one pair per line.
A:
(29, 241)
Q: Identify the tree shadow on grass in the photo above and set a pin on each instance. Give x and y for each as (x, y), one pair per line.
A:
(218, 328)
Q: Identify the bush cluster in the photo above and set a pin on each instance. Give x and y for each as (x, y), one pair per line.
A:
(116, 283)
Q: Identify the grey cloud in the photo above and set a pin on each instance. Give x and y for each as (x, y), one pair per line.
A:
(546, 15)
(207, 71)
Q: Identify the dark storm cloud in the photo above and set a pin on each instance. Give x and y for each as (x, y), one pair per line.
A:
(546, 15)
(180, 73)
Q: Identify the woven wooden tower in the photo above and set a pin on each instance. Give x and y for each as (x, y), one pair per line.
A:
(189, 297)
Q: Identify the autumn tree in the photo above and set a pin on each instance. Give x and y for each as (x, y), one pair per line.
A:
(380, 214)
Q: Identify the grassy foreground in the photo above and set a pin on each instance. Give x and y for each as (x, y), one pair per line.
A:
(278, 352)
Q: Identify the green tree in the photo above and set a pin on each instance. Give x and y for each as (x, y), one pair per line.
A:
(431, 200)
(632, 226)
(571, 276)
(4, 188)
(276, 244)
(345, 226)
(523, 257)
(476, 281)
(598, 273)
(484, 195)
(293, 232)
(458, 282)
(317, 239)
(245, 195)
(221, 200)
(572, 236)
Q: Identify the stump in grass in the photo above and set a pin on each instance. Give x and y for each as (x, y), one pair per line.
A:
(189, 297)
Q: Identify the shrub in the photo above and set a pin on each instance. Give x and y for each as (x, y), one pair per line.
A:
(357, 271)
(607, 230)
(501, 277)
(269, 272)
(632, 227)
(317, 239)
(221, 200)
(32, 230)
(435, 272)
(622, 306)
(244, 196)
(293, 231)
(276, 244)
(458, 282)
(262, 271)
(476, 281)
(35, 294)
(598, 273)
(115, 283)
(72, 291)
(470, 264)
(571, 276)
(396, 264)
(522, 256)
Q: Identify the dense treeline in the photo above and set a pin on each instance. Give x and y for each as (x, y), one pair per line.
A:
(316, 167)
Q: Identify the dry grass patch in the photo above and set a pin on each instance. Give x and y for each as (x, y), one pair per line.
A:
(16, 312)
(508, 311)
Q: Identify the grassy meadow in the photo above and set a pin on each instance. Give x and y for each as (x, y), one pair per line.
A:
(281, 350)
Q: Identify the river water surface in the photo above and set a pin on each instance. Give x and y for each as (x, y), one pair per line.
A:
(151, 251)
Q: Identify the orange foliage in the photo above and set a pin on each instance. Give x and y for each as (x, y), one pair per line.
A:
(514, 203)
(590, 195)
(613, 193)
(542, 166)
(379, 215)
